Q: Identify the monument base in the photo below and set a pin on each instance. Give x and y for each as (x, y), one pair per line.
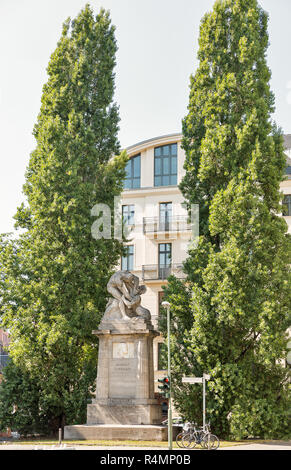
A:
(145, 413)
(116, 432)
(125, 407)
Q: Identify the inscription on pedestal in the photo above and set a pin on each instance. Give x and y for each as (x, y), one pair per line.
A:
(122, 378)
(122, 371)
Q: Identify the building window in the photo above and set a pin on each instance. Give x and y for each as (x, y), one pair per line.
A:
(127, 259)
(165, 215)
(166, 165)
(132, 178)
(287, 205)
(165, 256)
(162, 356)
(128, 214)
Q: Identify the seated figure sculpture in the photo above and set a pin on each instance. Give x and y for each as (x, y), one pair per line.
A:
(126, 302)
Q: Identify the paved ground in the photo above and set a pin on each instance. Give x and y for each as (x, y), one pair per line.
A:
(272, 446)
(269, 446)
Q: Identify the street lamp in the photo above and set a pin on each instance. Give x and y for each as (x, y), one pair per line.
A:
(167, 306)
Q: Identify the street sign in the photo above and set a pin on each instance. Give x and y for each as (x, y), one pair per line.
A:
(195, 380)
(192, 380)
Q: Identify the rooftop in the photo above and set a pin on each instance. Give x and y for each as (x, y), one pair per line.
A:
(286, 137)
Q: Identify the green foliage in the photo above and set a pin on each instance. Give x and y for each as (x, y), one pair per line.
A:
(18, 387)
(54, 275)
(230, 317)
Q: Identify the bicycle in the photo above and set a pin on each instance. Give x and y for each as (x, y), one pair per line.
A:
(186, 429)
(193, 437)
(200, 436)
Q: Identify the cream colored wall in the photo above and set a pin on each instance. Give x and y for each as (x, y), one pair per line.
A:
(147, 199)
(146, 249)
(147, 168)
(181, 161)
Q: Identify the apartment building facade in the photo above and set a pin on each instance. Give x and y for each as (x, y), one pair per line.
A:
(152, 209)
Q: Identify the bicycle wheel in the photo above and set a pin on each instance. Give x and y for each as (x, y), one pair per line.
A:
(188, 441)
(203, 442)
(179, 438)
(203, 439)
(210, 442)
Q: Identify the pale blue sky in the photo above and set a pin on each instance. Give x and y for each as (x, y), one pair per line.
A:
(157, 42)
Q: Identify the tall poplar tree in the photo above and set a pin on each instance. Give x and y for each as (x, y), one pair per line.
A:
(54, 275)
(230, 316)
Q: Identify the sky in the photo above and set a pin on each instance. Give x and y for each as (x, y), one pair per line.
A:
(158, 43)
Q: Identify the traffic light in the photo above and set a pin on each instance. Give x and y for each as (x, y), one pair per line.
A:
(165, 388)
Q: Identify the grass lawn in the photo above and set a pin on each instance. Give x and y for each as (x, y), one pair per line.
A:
(161, 444)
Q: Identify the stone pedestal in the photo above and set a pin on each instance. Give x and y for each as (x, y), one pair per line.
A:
(124, 406)
(125, 380)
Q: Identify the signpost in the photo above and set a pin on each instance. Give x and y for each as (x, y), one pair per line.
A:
(195, 380)
(167, 305)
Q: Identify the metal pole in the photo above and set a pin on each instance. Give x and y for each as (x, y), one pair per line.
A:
(170, 428)
(204, 402)
(60, 436)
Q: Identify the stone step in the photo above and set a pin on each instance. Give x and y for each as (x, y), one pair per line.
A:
(117, 432)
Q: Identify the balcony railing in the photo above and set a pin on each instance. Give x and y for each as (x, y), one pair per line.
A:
(177, 223)
(152, 272)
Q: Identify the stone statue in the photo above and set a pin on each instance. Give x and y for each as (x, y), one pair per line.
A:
(126, 302)
(125, 399)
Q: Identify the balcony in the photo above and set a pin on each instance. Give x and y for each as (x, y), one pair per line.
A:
(177, 223)
(155, 272)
